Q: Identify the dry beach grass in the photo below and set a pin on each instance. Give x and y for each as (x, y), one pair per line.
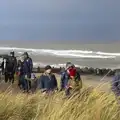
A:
(87, 104)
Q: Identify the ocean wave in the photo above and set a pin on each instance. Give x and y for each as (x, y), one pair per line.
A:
(62, 53)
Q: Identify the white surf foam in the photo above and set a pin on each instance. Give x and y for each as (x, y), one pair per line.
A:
(62, 53)
(36, 64)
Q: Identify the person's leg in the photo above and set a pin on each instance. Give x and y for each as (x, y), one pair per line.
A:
(10, 77)
(67, 91)
(20, 82)
(28, 82)
(13, 78)
(29, 85)
(24, 83)
(34, 86)
(6, 77)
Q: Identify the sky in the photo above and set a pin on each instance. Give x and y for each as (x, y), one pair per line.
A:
(82, 20)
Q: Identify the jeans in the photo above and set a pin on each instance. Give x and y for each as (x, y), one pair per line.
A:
(20, 81)
(26, 84)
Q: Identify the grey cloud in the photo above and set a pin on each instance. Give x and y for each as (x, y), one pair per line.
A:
(60, 19)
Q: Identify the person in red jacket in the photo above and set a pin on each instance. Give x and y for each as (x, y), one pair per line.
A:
(70, 79)
(72, 71)
(74, 80)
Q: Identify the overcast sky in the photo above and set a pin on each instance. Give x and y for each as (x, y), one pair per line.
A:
(82, 20)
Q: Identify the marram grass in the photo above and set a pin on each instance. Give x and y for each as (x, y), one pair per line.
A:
(88, 104)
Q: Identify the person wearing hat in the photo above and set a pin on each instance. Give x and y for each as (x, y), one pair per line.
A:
(27, 70)
(70, 78)
(10, 67)
(47, 81)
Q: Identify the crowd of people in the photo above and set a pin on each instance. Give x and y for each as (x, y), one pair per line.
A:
(47, 82)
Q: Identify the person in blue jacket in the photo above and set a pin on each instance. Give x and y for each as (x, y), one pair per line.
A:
(27, 70)
(65, 77)
(47, 81)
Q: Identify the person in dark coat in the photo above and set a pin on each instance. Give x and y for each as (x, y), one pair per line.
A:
(3, 66)
(20, 74)
(27, 70)
(9, 66)
(116, 83)
(47, 81)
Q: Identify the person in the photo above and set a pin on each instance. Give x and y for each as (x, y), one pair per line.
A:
(34, 81)
(3, 65)
(75, 76)
(47, 81)
(27, 70)
(64, 81)
(115, 85)
(20, 74)
(70, 78)
(9, 65)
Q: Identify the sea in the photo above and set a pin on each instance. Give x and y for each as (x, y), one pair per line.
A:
(56, 54)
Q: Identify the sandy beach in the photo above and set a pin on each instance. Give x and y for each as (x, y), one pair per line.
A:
(88, 80)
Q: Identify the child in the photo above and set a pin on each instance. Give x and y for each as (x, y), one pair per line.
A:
(33, 82)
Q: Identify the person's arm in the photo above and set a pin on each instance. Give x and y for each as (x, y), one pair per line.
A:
(30, 65)
(55, 82)
(15, 65)
(62, 81)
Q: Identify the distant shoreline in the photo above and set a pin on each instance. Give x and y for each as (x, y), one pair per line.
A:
(82, 71)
